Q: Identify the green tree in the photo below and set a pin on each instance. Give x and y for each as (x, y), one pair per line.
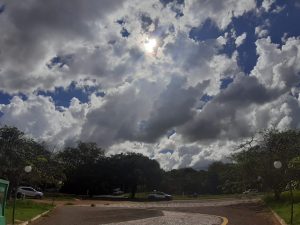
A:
(80, 167)
(258, 160)
(17, 151)
(132, 170)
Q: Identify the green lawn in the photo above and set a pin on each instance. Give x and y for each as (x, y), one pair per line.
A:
(283, 207)
(25, 210)
(144, 195)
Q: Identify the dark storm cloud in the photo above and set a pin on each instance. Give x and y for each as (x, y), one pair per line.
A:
(121, 117)
(224, 117)
(29, 29)
(172, 108)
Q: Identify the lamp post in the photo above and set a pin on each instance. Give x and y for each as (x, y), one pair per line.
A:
(27, 169)
(278, 165)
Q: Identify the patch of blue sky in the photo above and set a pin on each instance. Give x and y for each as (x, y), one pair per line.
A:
(285, 22)
(174, 8)
(208, 30)
(121, 21)
(247, 56)
(165, 2)
(124, 32)
(247, 51)
(2, 8)
(206, 98)
(6, 98)
(225, 82)
(59, 61)
(63, 96)
(277, 23)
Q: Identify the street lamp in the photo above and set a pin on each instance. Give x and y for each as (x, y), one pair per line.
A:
(27, 169)
(278, 165)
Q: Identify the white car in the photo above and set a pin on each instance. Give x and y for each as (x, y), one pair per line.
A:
(28, 192)
(250, 191)
(157, 195)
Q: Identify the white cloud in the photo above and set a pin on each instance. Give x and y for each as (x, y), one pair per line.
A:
(261, 32)
(221, 12)
(240, 39)
(38, 117)
(277, 67)
(267, 4)
(146, 95)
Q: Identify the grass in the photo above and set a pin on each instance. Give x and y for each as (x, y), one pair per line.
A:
(283, 206)
(60, 197)
(144, 195)
(200, 197)
(25, 210)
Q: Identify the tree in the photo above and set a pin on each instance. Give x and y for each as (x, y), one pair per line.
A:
(17, 151)
(258, 160)
(132, 170)
(80, 166)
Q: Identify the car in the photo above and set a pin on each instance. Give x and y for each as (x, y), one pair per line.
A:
(118, 191)
(23, 191)
(157, 195)
(250, 191)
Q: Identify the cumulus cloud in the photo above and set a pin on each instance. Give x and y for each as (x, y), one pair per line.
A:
(278, 67)
(221, 12)
(166, 104)
(39, 117)
(240, 39)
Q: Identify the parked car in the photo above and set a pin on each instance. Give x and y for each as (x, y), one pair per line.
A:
(118, 191)
(28, 192)
(157, 195)
(250, 191)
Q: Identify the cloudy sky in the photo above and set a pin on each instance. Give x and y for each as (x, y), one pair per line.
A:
(181, 81)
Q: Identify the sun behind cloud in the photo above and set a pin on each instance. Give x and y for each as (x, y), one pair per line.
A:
(150, 45)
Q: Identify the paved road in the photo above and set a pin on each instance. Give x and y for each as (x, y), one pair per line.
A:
(176, 212)
(176, 218)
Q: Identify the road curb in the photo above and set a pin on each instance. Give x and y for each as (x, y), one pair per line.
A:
(278, 218)
(225, 220)
(36, 217)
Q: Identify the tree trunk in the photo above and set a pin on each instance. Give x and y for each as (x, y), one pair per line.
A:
(133, 191)
(277, 194)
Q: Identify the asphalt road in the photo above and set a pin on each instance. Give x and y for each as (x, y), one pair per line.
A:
(237, 213)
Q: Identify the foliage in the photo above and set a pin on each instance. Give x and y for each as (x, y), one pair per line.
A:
(85, 170)
(18, 151)
(283, 206)
(258, 161)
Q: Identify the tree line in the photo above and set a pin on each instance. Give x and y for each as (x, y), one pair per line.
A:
(86, 170)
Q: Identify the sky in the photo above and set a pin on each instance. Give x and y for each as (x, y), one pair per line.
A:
(180, 81)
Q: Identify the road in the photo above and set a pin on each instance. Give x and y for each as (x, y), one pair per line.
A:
(204, 212)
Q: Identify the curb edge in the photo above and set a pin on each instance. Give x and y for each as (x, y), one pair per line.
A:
(225, 220)
(36, 217)
(278, 218)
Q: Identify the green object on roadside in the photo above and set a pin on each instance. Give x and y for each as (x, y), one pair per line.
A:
(3, 193)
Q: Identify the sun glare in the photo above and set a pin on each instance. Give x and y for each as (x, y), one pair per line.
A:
(150, 45)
